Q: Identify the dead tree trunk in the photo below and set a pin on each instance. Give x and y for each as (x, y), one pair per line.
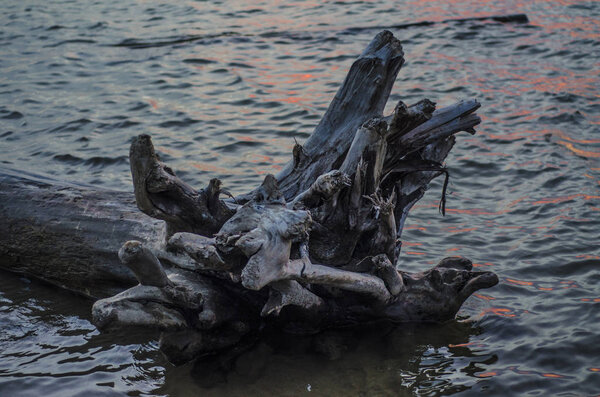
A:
(69, 235)
(314, 246)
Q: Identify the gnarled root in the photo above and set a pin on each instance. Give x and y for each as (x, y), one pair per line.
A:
(341, 203)
(160, 194)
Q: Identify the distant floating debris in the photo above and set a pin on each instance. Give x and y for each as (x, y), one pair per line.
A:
(512, 18)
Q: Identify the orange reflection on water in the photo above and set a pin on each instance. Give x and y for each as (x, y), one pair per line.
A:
(247, 138)
(153, 103)
(579, 152)
(549, 375)
(498, 311)
(568, 286)
(486, 374)
(260, 158)
(299, 77)
(543, 286)
(511, 136)
(461, 344)
(577, 26)
(566, 137)
(292, 99)
(561, 199)
(519, 282)
(570, 82)
(454, 229)
(484, 297)
(414, 253)
(552, 375)
(415, 228)
(585, 256)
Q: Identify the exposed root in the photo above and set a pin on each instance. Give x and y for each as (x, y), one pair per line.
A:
(341, 203)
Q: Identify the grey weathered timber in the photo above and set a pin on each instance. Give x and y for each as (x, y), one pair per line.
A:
(162, 195)
(314, 247)
(69, 235)
(362, 96)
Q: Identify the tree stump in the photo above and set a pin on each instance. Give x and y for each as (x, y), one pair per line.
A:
(314, 246)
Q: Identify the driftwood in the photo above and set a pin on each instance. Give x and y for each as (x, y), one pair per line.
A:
(69, 235)
(314, 246)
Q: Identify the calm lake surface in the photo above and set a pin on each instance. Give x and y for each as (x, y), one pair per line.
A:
(224, 88)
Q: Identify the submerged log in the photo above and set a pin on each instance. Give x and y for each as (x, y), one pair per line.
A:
(313, 247)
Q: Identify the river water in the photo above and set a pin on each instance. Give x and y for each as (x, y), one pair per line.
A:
(224, 88)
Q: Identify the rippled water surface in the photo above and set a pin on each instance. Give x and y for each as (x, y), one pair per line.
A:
(224, 88)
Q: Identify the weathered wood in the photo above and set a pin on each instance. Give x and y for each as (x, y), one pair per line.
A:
(289, 292)
(201, 250)
(143, 263)
(24, 204)
(345, 280)
(323, 189)
(317, 244)
(266, 238)
(162, 195)
(69, 235)
(361, 97)
(139, 306)
(385, 270)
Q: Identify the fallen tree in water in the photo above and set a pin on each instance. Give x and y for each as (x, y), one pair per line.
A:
(313, 247)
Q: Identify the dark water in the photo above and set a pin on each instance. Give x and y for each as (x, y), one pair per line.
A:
(225, 87)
